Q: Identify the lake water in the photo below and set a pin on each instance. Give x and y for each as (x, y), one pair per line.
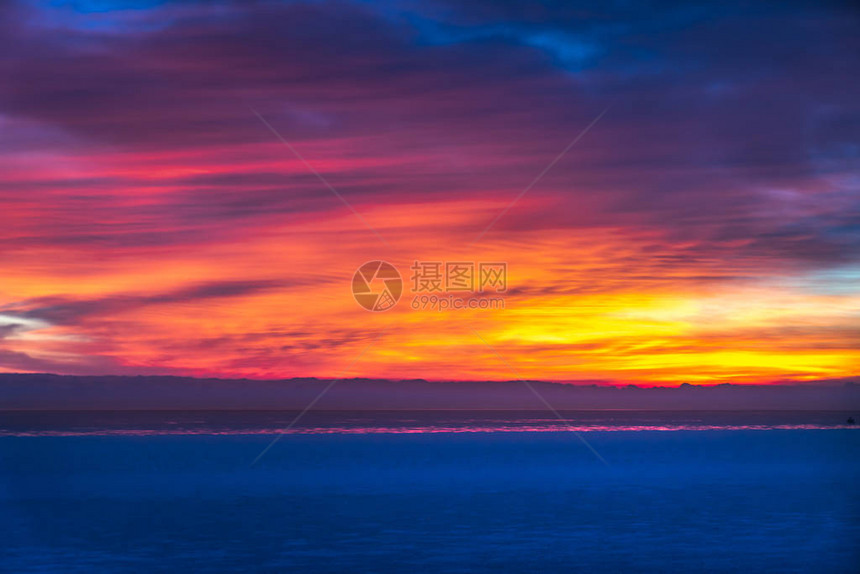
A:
(429, 492)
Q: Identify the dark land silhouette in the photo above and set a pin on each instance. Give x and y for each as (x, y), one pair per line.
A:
(53, 392)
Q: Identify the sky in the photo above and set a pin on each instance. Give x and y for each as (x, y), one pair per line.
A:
(189, 187)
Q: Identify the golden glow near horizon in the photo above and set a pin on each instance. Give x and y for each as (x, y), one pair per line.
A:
(602, 304)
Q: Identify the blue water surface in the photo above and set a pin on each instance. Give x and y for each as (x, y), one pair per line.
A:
(681, 501)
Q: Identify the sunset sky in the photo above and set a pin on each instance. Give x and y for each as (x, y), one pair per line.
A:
(156, 218)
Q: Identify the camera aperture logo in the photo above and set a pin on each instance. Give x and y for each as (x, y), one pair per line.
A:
(437, 285)
(377, 285)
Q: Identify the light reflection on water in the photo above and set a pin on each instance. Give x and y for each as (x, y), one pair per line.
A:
(152, 423)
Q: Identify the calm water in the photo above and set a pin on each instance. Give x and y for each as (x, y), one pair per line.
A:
(415, 492)
(143, 423)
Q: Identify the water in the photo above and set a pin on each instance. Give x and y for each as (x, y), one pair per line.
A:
(415, 492)
(150, 423)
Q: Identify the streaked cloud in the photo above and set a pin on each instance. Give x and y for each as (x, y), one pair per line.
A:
(149, 221)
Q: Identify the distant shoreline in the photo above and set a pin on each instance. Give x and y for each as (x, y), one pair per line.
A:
(33, 392)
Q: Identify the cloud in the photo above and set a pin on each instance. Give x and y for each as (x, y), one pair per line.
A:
(10, 329)
(128, 149)
(68, 311)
